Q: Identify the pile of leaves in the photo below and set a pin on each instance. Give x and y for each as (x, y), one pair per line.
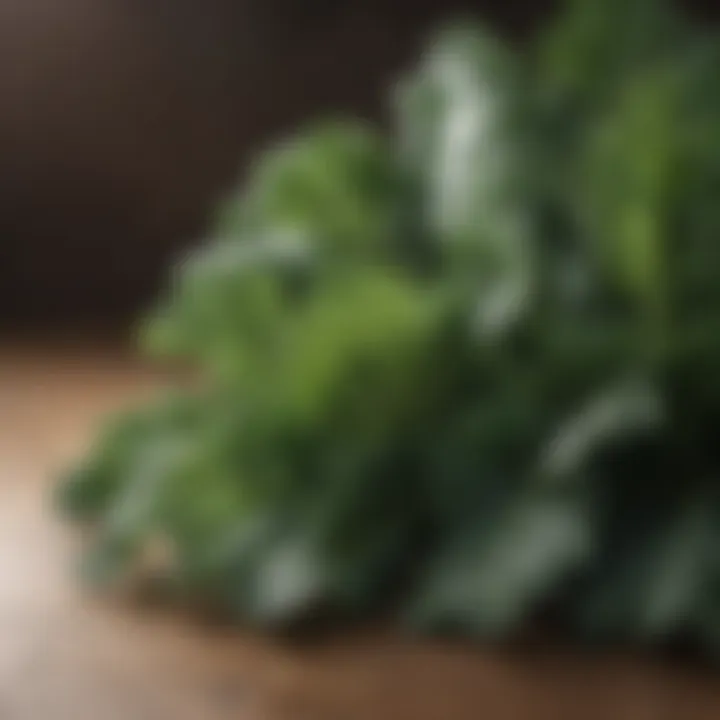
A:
(465, 371)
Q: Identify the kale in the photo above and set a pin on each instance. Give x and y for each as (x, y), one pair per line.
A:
(464, 370)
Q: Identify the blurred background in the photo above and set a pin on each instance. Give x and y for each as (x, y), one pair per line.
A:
(122, 121)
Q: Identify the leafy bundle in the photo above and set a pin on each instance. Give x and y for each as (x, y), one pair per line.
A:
(466, 371)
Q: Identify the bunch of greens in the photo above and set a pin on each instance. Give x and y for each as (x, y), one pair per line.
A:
(467, 371)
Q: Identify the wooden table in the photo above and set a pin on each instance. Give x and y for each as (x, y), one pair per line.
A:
(67, 656)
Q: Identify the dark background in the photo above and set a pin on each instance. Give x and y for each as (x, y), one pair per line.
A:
(121, 120)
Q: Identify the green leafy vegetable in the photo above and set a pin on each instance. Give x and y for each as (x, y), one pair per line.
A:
(466, 371)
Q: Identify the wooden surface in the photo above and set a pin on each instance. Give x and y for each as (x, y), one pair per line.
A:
(66, 656)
